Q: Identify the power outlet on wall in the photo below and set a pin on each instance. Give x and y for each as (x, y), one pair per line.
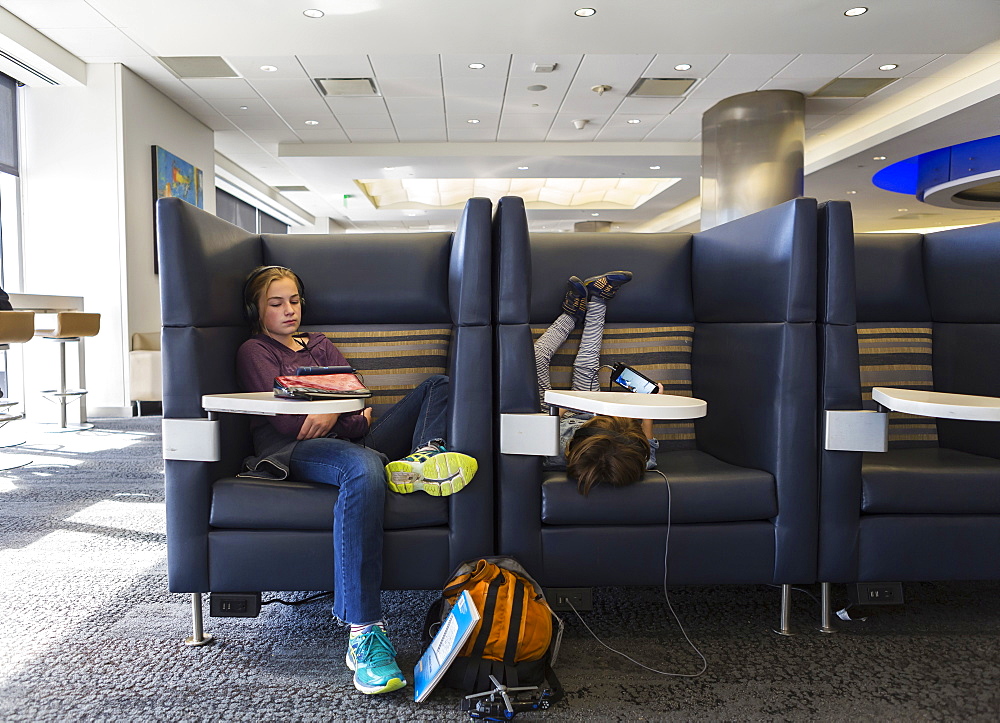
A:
(876, 593)
(567, 598)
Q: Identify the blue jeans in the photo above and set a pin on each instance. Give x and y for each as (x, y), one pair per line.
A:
(359, 474)
(413, 421)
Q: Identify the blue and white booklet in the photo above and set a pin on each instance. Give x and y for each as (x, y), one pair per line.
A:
(450, 638)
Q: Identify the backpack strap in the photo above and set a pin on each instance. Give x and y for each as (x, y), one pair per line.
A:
(514, 624)
(473, 674)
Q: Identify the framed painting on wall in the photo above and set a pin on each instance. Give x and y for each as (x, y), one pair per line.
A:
(174, 177)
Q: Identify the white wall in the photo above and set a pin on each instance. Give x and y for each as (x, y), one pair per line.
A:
(88, 216)
(150, 118)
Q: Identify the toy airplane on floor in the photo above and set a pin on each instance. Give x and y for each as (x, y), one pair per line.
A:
(499, 705)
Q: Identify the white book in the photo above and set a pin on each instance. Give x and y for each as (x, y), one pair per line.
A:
(450, 638)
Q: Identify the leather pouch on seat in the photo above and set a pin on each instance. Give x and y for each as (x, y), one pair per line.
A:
(933, 480)
(702, 489)
(255, 504)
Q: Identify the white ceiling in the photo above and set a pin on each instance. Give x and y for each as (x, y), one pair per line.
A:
(419, 53)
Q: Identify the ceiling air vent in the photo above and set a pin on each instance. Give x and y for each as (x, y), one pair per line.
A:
(346, 86)
(198, 66)
(852, 87)
(661, 87)
(292, 189)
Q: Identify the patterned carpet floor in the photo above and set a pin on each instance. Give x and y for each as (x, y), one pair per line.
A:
(89, 632)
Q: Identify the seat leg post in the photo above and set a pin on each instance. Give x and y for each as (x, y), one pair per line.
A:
(825, 610)
(62, 385)
(786, 612)
(199, 637)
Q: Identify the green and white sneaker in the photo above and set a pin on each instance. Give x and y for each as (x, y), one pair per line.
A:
(431, 469)
(373, 659)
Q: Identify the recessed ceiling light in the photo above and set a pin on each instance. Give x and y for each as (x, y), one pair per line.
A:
(633, 121)
(522, 168)
(854, 12)
(388, 168)
(472, 120)
(268, 68)
(595, 214)
(244, 107)
(654, 168)
(888, 66)
(585, 12)
(537, 88)
(313, 13)
(683, 66)
(902, 210)
(312, 123)
(878, 158)
(477, 66)
(851, 192)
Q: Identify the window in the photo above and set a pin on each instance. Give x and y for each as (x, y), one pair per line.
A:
(247, 217)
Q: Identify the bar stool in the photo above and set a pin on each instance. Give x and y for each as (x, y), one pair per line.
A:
(16, 327)
(71, 326)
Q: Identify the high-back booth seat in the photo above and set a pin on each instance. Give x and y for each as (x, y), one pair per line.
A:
(726, 315)
(400, 307)
(921, 312)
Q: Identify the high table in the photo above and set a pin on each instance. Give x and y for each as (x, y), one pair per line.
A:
(939, 404)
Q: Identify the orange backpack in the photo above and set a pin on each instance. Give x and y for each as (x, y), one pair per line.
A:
(514, 640)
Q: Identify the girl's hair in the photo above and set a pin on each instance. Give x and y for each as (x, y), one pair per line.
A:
(607, 449)
(257, 284)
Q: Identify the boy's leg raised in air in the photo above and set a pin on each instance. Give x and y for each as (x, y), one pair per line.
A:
(586, 365)
(574, 309)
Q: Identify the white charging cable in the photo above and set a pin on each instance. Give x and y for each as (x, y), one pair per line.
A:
(666, 549)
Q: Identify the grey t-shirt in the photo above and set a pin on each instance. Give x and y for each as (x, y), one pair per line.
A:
(569, 422)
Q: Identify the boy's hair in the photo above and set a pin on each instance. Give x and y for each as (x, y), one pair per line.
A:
(607, 449)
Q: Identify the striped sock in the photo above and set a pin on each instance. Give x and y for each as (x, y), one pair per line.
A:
(358, 629)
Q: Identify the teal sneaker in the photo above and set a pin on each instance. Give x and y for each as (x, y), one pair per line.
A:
(373, 659)
(431, 469)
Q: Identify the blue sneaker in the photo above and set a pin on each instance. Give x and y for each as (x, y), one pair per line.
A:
(373, 659)
(606, 285)
(575, 301)
(431, 469)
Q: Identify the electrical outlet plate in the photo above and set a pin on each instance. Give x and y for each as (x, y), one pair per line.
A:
(877, 593)
(234, 604)
(559, 598)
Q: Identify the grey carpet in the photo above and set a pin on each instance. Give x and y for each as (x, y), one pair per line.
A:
(89, 632)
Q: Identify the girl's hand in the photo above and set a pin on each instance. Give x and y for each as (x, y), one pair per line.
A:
(317, 425)
(367, 414)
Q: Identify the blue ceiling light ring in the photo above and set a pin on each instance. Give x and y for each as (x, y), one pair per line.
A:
(900, 177)
(929, 175)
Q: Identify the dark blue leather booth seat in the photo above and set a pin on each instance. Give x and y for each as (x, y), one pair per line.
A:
(226, 533)
(914, 512)
(743, 501)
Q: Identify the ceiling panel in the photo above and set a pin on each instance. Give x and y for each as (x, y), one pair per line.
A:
(410, 87)
(662, 66)
(252, 66)
(813, 65)
(336, 66)
(907, 62)
(406, 66)
(48, 14)
(472, 107)
(419, 120)
(285, 87)
(742, 65)
(96, 42)
(521, 64)
(213, 88)
(457, 66)
(371, 135)
(415, 106)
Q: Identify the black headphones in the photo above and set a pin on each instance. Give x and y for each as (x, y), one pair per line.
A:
(250, 310)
